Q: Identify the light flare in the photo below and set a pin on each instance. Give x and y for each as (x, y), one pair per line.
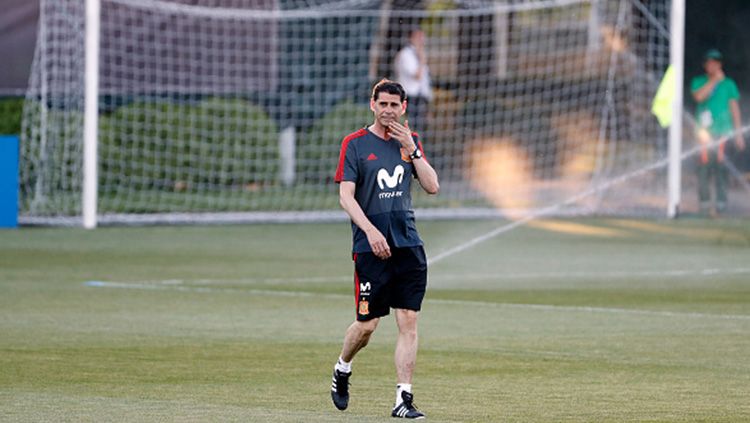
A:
(502, 173)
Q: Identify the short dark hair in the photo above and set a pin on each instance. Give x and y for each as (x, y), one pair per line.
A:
(390, 87)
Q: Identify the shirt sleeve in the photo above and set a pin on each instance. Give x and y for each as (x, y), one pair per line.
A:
(347, 169)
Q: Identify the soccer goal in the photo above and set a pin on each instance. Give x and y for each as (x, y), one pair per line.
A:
(145, 111)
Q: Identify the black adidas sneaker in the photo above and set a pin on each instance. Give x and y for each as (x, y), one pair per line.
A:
(407, 409)
(340, 389)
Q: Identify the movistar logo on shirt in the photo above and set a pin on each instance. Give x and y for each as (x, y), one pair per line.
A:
(385, 179)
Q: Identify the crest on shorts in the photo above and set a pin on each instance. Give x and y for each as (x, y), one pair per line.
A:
(364, 308)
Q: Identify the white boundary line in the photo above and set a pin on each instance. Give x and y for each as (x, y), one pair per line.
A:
(171, 286)
(604, 275)
(674, 273)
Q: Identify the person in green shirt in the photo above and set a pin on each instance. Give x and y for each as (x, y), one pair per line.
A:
(717, 115)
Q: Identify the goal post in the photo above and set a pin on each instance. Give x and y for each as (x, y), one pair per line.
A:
(159, 111)
(91, 114)
(677, 60)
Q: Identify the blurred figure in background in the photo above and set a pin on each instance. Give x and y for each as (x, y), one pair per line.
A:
(718, 115)
(411, 71)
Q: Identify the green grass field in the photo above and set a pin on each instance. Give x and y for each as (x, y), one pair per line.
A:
(579, 320)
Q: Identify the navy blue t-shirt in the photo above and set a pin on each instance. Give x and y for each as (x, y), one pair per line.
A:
(382, 173)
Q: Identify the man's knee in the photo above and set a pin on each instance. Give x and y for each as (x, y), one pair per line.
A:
(409, 315)
(407, 321)
(367, 327)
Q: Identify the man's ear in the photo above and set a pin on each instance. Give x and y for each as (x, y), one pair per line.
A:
(372, 105)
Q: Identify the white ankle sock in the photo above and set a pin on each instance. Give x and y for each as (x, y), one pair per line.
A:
(402, 387)
(343, 366)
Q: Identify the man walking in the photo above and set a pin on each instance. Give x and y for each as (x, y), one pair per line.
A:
(718, 113)
(375, 170)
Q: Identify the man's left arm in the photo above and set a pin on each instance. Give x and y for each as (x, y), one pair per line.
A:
(739, 140)
(426, 175)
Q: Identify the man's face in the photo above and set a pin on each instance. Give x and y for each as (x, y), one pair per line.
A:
(417, 38)
(387, 108)
(712, 66)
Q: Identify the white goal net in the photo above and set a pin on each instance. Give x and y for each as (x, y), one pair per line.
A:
(213, 110)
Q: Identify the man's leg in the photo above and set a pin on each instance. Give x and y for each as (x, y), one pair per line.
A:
(357, 336)
(418, 115)
(704, 195)
(406, 357)
(721, 180)
(406, 344)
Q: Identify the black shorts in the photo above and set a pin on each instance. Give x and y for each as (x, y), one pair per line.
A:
(397, 282)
